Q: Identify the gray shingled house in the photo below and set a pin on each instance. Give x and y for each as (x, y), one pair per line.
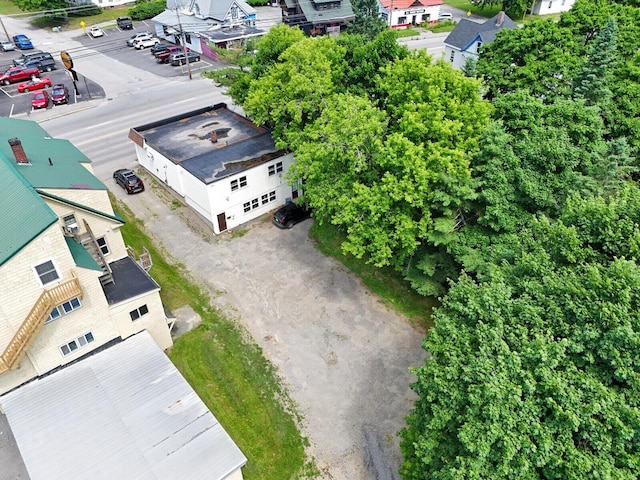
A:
(465, 40)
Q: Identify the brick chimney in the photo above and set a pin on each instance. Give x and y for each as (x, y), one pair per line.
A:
(18, 151)
(500, 19)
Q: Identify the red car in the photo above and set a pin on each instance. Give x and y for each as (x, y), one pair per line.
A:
(40, 99)
(35, 84)
(59, 94)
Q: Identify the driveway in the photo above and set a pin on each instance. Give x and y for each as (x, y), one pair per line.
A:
(343, 356)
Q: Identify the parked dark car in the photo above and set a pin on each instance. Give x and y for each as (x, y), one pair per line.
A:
(124, 23)
(128, 180)
(160, 47)
(43, 61)
(163, 56)
(290, 214)
(59, 94)
(180, 58)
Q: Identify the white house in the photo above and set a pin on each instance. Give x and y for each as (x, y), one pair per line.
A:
(405, 13)
(547, 7)
(218, 162)
(202, 25)
(467, 37)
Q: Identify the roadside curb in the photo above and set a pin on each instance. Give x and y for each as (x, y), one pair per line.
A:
(34, 115)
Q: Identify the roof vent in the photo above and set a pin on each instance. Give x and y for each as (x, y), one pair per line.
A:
(18, 151)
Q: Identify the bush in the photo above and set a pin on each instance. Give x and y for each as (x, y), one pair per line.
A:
(146, 10)
(87, 10)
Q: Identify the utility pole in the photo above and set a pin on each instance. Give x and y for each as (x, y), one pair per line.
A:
(5, 29)
(183, 42)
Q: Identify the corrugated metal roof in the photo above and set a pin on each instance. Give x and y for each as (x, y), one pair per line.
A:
(123, 413)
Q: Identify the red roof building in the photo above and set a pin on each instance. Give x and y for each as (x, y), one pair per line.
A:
(405, 13)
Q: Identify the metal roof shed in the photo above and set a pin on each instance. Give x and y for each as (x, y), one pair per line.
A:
(126, 413)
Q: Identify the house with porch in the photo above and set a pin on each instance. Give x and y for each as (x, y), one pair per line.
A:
(466, 39)
(407, 13)
(202, 25)
(219, 163)
(84, 379)
(317, 17)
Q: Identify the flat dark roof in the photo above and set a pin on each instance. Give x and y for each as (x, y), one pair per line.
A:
(129, 280)
(187, 140)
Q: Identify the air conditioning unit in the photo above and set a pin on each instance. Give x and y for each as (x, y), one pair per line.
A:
(72, 228)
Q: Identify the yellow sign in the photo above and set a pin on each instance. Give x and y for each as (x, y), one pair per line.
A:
(469, 13)
(82, 24)
(66, 60)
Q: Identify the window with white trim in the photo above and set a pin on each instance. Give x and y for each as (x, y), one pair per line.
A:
(258, 202)
(47, 272)
(275, 168)
(238, 183)
(64, 309)
(102, 245)
(139, 312)
(77, 344)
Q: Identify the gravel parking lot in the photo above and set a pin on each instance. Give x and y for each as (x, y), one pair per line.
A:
(342, 354)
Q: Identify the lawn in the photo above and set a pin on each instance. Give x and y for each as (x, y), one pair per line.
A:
(228, 371)
(474, 9)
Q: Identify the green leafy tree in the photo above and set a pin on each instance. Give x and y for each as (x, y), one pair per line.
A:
(592, 79)
(271, 46)
(393, 176)
(539, 58)
(513, 8)
(368, 21)
(365, 57)
(294, 92)
(534, 369)
(41, 5)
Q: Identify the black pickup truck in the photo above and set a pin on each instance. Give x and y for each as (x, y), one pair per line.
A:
(124, 23)
(43, 61)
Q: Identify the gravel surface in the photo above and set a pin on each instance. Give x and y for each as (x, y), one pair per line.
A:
(343, 355)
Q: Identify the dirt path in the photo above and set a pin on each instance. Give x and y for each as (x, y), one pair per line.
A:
(343, 356)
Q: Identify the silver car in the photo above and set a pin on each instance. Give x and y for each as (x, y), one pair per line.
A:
(6, 46)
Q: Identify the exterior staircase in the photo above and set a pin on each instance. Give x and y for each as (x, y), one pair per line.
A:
(88, 240)
(34, 321)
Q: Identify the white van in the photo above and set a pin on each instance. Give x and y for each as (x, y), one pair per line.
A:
(445, 17)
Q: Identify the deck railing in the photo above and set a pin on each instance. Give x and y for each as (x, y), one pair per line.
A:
(35, 319)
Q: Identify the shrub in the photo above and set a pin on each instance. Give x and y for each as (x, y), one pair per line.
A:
(146, 10)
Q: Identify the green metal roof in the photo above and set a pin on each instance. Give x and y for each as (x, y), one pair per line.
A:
(115, 216)
(65, 171)
(23, 214)
(80, 255)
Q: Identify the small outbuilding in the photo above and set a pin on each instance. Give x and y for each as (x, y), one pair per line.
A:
(218, 162)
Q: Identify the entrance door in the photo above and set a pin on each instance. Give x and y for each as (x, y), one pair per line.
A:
(222, 222)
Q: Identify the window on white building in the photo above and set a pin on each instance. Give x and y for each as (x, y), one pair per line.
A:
(257, 202)
(275, 168)
(139, 312)
(47, 272)
(238, 183)
(76, 344)
(102, 244)
(64, 309)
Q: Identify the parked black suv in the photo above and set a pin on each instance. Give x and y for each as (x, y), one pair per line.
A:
(124, 23)
(128, 180)
(290, 214)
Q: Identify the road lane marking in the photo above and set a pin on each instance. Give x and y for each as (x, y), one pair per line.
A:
(98, 125)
